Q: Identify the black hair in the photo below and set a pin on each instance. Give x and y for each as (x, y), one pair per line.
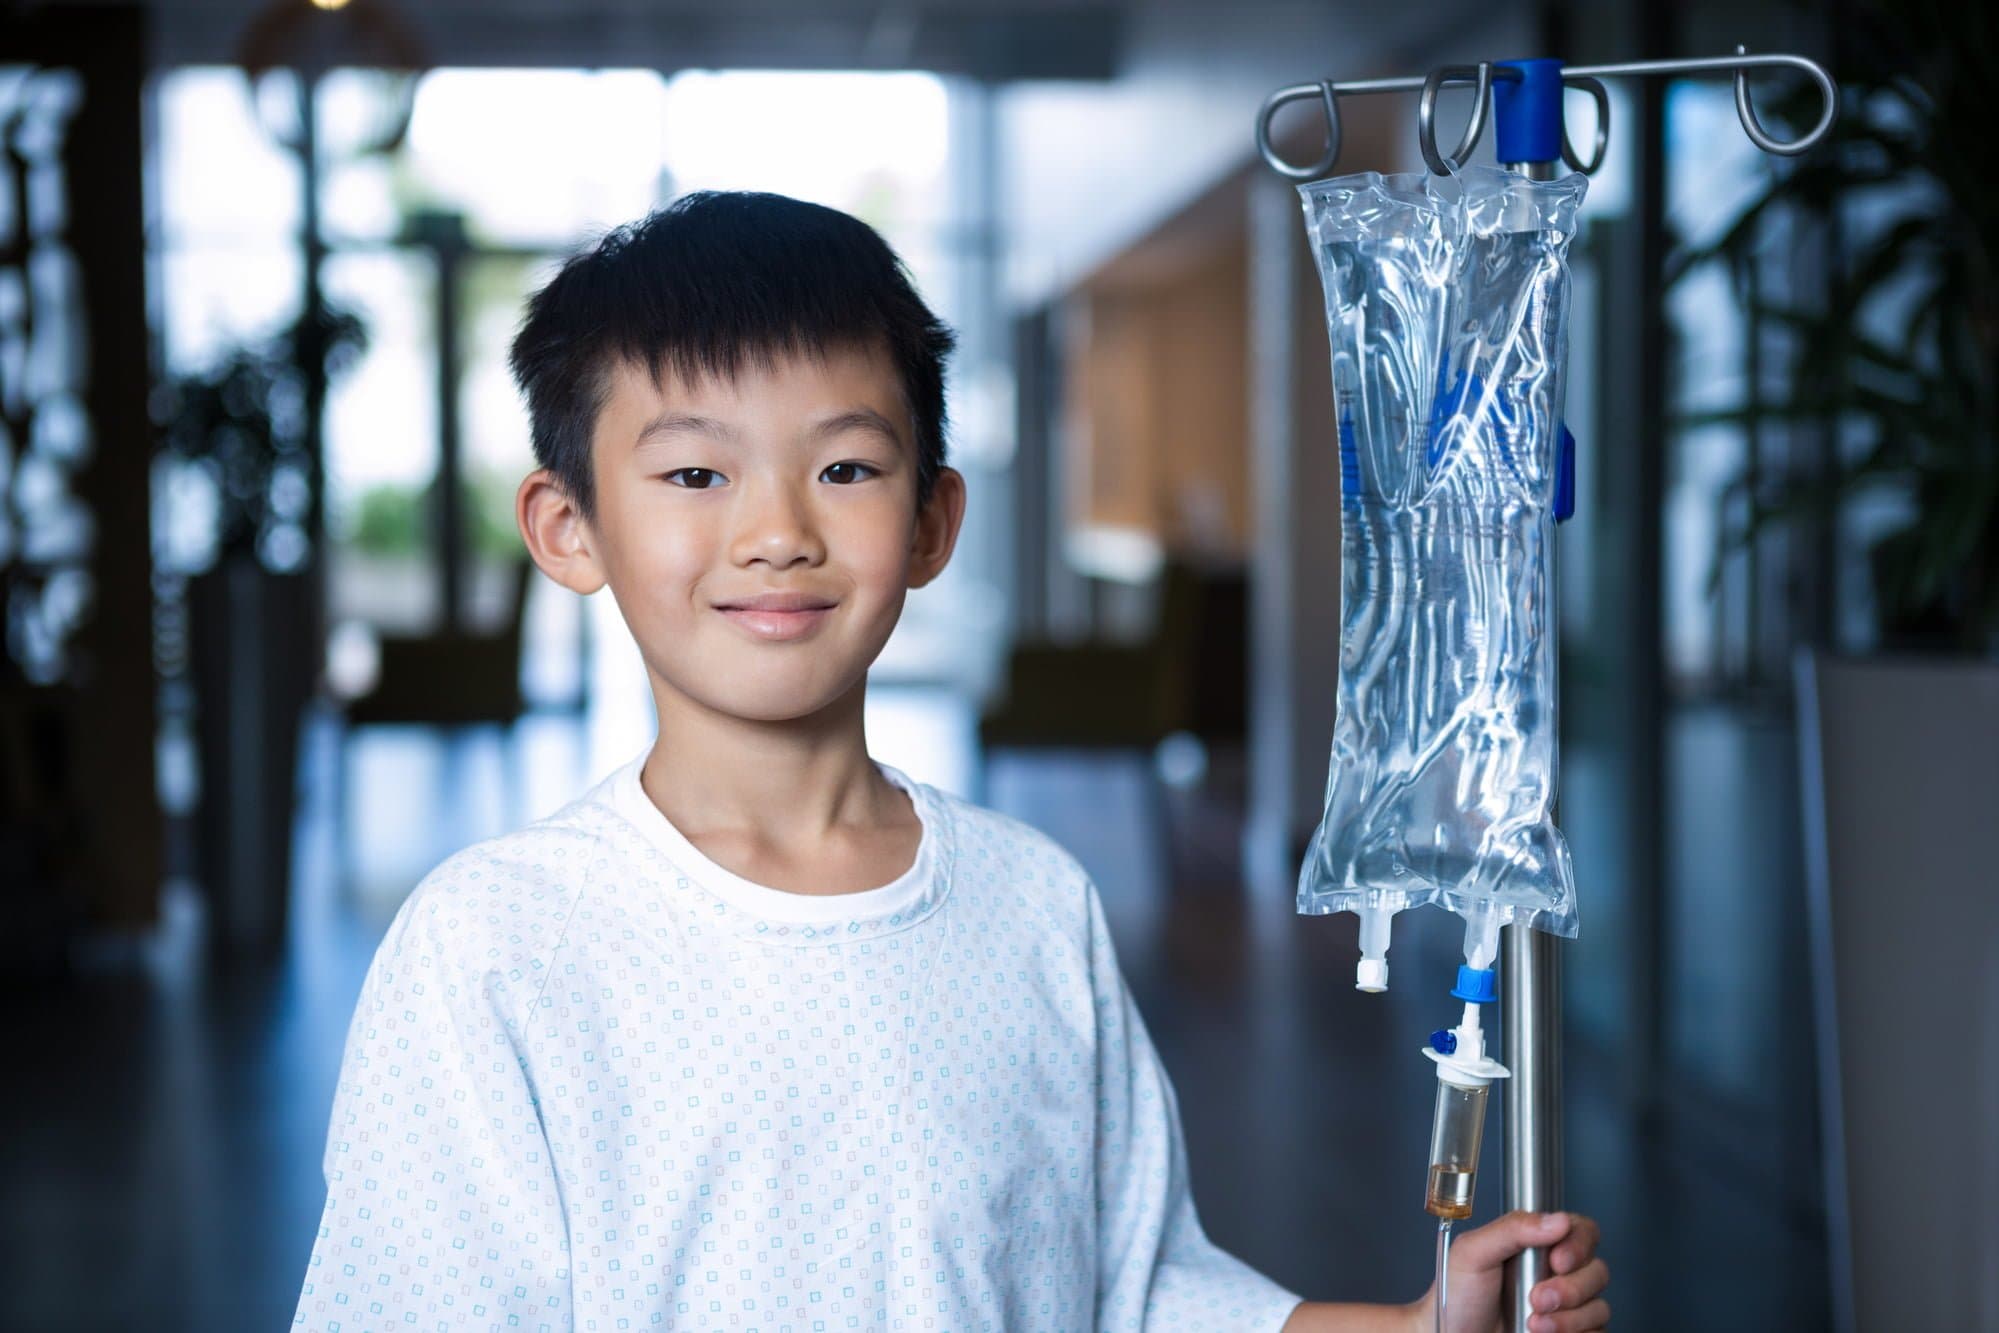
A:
(712, 282)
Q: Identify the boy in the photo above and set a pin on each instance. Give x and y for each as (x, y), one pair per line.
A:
(760, 1034)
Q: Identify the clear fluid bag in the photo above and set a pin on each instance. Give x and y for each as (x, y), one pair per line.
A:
(1447, 306)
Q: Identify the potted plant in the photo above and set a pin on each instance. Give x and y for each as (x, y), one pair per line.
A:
(1898, 362)
(1900, 355)
(241, 426)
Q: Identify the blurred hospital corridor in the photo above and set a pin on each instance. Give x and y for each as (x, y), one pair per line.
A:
(271, 646)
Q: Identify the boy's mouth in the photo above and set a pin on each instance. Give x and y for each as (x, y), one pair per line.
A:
(778, 615)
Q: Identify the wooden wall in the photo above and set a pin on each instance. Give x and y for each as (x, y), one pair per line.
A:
(1156, 415)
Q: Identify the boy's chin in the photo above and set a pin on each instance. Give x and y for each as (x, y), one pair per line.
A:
(775, 702)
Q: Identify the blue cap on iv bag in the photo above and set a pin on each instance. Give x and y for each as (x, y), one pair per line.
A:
(1527, 112)
(1476, 985)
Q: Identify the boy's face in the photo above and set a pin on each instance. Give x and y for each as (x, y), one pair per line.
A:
(759, 533)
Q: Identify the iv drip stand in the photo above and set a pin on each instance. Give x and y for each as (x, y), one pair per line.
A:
(1533, 142)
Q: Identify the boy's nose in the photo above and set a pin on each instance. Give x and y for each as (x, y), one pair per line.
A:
(776, 529)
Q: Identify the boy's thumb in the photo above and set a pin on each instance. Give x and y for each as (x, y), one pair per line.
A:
(1493, 1244)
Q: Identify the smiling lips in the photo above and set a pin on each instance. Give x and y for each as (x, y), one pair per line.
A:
(778, 615)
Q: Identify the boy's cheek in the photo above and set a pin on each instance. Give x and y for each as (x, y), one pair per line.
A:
(657, 551)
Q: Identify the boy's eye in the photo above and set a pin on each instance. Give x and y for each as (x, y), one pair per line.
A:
(694, 478)
(846, 474)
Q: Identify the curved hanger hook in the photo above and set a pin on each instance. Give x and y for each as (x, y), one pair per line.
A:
(1329, 102)
(1746, 111)
(1426, 114)
(1601, 96)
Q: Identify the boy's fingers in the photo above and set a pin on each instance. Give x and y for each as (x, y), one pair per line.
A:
(1591, 1317)
(1499, 1240)
(1574, 1290)
(1577, 1248)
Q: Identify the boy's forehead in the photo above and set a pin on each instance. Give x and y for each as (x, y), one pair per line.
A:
(775, 384)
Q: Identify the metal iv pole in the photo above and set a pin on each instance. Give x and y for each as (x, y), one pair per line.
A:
(1527, 99)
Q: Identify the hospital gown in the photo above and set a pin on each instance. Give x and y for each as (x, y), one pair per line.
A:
(596, 1081)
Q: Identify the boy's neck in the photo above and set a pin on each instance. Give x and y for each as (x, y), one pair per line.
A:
(777, 783)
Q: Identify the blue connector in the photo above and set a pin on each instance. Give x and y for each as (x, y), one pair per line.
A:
(1476, 985)
(1444, 1041)
(1527, 112)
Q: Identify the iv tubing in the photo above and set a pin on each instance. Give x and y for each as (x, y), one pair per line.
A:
(1443, 1269)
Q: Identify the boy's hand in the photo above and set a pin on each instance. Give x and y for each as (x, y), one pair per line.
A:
(1568, 1301)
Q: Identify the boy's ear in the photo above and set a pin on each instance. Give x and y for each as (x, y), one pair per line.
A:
(937, 526)
(557, 535)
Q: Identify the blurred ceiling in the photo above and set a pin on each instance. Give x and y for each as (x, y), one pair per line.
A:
(997, 40)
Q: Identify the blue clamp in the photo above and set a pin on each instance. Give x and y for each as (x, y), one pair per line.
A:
(1476, 985)
(1444, 1041)
(1527, 112)
(1465, 396)
(1565, 475)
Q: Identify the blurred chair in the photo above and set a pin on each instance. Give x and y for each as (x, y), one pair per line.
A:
(449, 681)
(1900, 761)
(1191, 675)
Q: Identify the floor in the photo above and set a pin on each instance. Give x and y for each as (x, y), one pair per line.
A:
(161, 1134)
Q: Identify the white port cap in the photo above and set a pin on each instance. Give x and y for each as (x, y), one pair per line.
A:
(1371, 976)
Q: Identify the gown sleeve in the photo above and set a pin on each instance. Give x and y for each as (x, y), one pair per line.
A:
(1157, 1270)
(443, 1209)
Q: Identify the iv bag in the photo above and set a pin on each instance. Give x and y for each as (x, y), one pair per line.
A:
(1447, 305)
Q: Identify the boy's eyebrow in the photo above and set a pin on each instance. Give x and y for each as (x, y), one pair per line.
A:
(860, 418)
(686, 423)
(683, 423)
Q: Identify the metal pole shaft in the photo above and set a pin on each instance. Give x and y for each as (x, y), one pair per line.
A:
(1531, 1043)
(1531, 1025)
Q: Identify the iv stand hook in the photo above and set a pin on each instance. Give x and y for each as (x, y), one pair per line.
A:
(1585, 78)
(1298, 92)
